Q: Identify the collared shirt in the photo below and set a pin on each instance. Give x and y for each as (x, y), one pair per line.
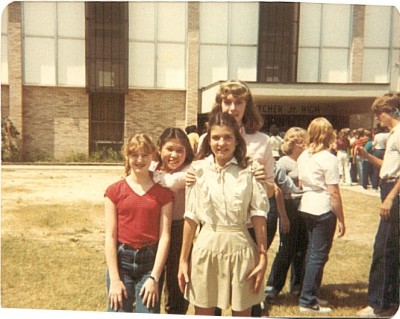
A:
(391, 160)
(226, 195)
(259, 149)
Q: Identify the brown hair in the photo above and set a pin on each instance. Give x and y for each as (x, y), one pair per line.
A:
(388, 103)
(225, 119)
(252, 120)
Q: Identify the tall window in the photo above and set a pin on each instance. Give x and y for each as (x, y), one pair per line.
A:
(107, 47)
(381, 32)
(106, 121)
(4, 47)
(228, 41)
(54, 43)
(157, 44)
(277, 42)
(324, 43)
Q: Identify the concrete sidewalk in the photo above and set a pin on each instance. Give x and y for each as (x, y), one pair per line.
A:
(359, 189)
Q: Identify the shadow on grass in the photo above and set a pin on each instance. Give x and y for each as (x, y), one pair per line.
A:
(344, 295)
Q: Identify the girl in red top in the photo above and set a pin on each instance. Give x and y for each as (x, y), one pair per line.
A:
(137, 232)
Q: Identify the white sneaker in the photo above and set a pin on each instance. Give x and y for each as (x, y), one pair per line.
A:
(315, 309)
(322, 302)
(367, 312)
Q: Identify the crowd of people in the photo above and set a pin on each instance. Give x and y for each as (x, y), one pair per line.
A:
(195, 215)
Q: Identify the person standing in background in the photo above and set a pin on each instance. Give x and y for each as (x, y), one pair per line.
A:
(293, 240)
(379, 146)
(276, 141)
(383, 285)
(193, 136)
(321, 208)
(343, 155)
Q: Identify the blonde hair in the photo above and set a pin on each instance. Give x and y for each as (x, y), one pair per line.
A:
(292, 136)
(320, 135)
(137, 143)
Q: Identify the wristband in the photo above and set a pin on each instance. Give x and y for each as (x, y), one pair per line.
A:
(263, 252)
(154, 278)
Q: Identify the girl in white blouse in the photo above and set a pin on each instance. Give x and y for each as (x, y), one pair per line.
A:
(321, 207)
(226, 267)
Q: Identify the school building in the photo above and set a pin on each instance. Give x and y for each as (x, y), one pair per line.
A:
(80, 76)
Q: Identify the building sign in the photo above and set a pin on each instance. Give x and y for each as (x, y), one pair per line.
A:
(285, 109)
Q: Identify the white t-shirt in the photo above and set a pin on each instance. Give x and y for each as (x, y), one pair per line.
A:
(316, 171)
(380, 140)
(276, 142)
(391, 161)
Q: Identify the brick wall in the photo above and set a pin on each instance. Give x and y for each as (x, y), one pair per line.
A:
(357, 44)
(151, 111)
(5, 100)
(56, 122)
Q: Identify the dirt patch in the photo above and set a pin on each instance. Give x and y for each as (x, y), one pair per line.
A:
(44, 184)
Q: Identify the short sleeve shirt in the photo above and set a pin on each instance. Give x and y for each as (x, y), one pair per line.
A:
(316, 171)
(224, 196)
(391, 160)
(138, 216)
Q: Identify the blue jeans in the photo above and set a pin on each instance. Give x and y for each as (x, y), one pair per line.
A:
(292, 251)
(383, 287)
(321, 230)
(135, 266)
(375, 169)
(272, 221)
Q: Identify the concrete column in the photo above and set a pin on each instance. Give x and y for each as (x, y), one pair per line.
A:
(357, 44)
(15, 67)
(193, 51)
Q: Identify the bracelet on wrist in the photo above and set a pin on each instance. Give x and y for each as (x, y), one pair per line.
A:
(154, 278)
(263, 252)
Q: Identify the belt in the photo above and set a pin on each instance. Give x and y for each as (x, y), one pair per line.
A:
(388, 180)
(144, 245)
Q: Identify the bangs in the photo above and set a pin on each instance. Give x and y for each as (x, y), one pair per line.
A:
(140, 144)
(139, 148)
(235, 88)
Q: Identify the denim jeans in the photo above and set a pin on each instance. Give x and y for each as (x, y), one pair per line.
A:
(135, 266)
(292, 251)
(321, 230)
(175, 303)
(379, 153)
(383, 287)
(272, 221)
(360, 171)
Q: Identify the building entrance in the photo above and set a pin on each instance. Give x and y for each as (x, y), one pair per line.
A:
(284, 122)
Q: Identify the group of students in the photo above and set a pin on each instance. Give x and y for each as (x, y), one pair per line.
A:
(353, 168)
(202, 222)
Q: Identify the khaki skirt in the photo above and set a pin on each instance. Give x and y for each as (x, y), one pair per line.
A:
(222, 258)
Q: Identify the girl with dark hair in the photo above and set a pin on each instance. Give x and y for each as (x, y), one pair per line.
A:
(173, 159)
(225, 267)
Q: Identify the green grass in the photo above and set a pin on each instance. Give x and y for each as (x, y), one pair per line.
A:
(52, 258)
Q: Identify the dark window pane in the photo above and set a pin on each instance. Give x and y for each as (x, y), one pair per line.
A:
(278, 40)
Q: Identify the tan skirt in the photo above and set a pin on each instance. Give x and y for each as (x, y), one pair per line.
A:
(222, 258)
